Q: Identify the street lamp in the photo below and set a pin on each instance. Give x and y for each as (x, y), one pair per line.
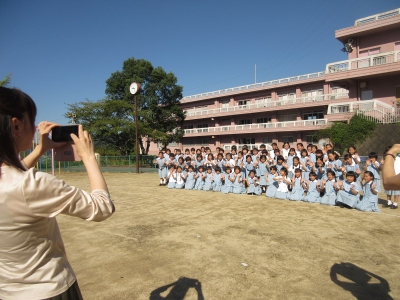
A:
(135, 89)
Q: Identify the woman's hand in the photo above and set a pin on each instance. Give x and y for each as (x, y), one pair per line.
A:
(83, 144)
(45, 142)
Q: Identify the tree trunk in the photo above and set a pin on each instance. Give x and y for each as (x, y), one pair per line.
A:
(147, 146)
(141, 146)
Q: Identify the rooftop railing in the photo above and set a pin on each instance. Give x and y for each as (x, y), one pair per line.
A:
(268, 103)
(363, 62)
(255, 86)
(232, 128)
(377, 17)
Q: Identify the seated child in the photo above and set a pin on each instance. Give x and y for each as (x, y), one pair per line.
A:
(179, 177)
(283, 182)
(329, 198)
(190, 178)
(227, 186)
(348, 191)
(350, 165)
(272, 185)
(200, 178)
(369, 201)
(313, 189)
(217, 180)
(171, 176)
(298, 186)
(208, 179)
(238, 186)
(252, 183)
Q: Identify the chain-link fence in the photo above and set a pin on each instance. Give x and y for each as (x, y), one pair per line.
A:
(125, 164)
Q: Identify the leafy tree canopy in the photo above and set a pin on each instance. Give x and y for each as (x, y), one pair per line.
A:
(6, 80)
(344, 135)
(160, 115)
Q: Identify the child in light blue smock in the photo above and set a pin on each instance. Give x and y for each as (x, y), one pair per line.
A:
(199, 179)
(329, 198)
(227, 186)
(298, 186)
(351, 165)
(272, 185)
(161, 161)
(263, 172)
(348, 191)
(313, 190)
(369, 201)
(217, 180)
(252, 183)
(190, 178)
(208, 179)
(374, 166)
(238, 186)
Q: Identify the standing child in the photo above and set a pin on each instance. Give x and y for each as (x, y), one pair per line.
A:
(208, 179)
(298, 186)
(248, 165)
(179, 177)
(295, 165)
(229, 161)
(374, 166)
(369, 201)
(238, 186)
(227, 186)
(329, 198)
(162, 168)
(252, 183)
(272, 185)
(350, 165)
(263, 171)
(313, 190)
(283, 182)
(190, 178)
(304, 162)
(319, 168)
(291, 156)
(199, 179)
(334, 164)
(285, 150)
(199, 162)
(348, 191)
(353, 154)
(171, 177)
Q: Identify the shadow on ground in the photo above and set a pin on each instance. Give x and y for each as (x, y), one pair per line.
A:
(178, 290)
(361, 283)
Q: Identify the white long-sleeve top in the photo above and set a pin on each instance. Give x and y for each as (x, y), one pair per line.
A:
(33, 262)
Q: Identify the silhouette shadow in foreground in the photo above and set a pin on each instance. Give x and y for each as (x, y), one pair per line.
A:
(358, 282)
(179, 290)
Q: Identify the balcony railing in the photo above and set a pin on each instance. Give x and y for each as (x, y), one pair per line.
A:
(255, 86)
(268, 103)
(379, 117)
(366, 105)
(300, 123)
(377, 17)
(363, 62)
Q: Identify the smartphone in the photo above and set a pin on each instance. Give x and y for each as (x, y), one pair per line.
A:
(66, 153)
(63, 133)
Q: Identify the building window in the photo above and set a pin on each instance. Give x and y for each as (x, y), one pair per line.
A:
(263, 120)
(244, 122)
(287, 139)
(202, 125)
(242, 102)
(312, 115)
(369, 52)
(247, 141)
(267, 140)
(199, 142)
(173, 144)
(188, 127)
(225, 104)
(366, 95)
(311, 139)
(288, 117)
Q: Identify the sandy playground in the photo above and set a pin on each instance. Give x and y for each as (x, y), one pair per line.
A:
(178, 244)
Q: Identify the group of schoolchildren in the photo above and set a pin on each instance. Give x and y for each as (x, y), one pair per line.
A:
(303, 174)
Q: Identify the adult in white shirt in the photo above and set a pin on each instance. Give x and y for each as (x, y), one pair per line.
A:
(33, 262)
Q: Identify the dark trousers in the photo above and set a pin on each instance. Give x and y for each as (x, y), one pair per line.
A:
(73, 293)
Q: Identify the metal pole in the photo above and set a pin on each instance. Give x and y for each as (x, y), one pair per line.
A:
(137, 136)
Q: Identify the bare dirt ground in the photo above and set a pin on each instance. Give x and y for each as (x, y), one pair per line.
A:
(178, 244)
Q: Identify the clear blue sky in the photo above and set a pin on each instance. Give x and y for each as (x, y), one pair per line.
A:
(63, 51)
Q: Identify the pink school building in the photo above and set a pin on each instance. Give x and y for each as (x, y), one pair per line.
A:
(291, 109)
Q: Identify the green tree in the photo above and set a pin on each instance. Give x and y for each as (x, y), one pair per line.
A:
(160, 114)
(111, 120)
(6, 80)
(344, 135)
